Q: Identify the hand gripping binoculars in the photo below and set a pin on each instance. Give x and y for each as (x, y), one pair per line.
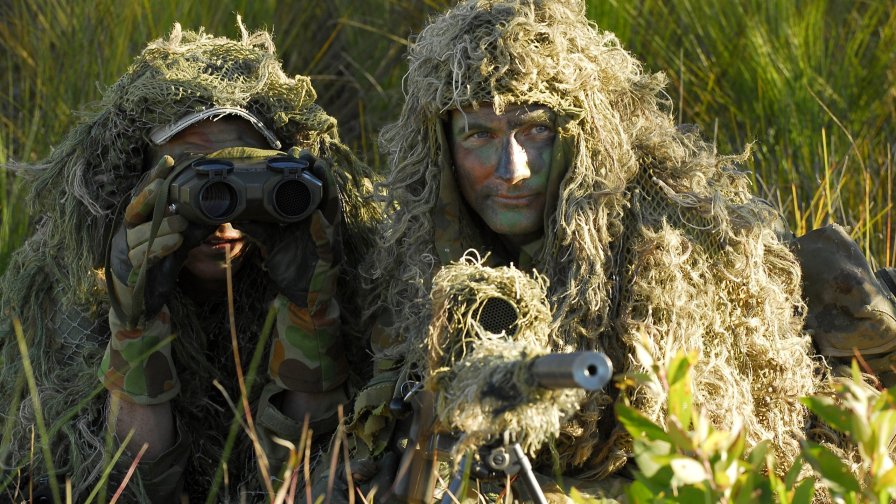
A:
(213, 191)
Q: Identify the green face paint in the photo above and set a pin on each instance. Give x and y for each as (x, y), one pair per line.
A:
(502, 163)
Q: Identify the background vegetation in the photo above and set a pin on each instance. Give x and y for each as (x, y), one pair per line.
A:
(811, 82)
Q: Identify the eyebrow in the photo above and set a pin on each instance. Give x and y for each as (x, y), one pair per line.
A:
(545, 115)
(538, 115)
(471, 124)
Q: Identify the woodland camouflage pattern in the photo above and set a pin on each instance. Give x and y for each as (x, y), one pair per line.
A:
(53, 284)
(652, 237)
(138, 362)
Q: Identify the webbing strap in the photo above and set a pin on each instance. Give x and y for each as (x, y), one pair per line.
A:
(158, 213)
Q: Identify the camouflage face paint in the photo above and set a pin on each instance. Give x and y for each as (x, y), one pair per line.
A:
(502, 162)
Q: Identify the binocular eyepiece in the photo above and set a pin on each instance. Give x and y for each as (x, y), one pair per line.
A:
(276, 189)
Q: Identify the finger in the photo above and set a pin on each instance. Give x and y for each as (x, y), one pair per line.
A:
(141, 207)
(161, 247)
(167, 240)
(330, 204)
(173, 224)
(162, 168)
(327, 239)
(321, 230)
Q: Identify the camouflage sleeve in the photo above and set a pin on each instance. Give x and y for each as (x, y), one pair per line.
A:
(307, 354)
(372, 420)
(849, 308)
(138, 363)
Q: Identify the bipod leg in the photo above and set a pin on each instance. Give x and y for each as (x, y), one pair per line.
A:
(456, 490)
(528, 476)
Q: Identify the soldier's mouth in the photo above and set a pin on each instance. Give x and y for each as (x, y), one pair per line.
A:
(219, 245)
(215, 241)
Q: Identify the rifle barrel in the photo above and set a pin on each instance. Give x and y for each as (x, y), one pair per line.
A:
(587, 370)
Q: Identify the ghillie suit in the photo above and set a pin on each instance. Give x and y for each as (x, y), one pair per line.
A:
(488, 325)
(79, 193)
(649, 234)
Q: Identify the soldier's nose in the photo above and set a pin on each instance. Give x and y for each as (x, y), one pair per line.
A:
(514, 164)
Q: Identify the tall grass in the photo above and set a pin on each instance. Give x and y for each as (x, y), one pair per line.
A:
(811, 83)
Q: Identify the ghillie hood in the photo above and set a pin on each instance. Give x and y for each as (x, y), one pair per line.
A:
(653, 235)
(79, 193)
(84, 181)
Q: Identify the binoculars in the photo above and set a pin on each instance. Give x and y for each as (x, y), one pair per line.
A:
(214, 191)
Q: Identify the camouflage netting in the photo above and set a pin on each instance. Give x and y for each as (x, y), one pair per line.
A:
(79, 192)
(653, 235)
(484, 385)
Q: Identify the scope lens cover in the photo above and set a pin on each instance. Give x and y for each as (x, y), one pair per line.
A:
(287, 163)
(497, 315)
(213, 166)
(292, 198)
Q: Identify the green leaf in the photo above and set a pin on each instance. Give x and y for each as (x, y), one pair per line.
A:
(638, 493)
(804, 492)
(680, 399)
(758, 453)
(829, 412)
(701, 493)
(831, 469)
(658, 484)
(638, 425)
(793, 473)
(883, 425)
(738, 445)
(651, 456)
(886, 400)
(687, 471)
(680, 368)
(681, 439)
(716, 441)
(886, 482)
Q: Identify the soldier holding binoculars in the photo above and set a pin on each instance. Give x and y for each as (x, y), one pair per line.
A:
(126, 278)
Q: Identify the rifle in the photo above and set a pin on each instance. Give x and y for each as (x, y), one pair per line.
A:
(486, 341)
(417, 473)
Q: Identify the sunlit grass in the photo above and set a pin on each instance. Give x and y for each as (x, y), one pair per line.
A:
(812, 84)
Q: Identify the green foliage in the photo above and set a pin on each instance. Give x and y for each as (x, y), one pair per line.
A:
(688, 460)
(13, 215)
(811, 82)
(869, 418)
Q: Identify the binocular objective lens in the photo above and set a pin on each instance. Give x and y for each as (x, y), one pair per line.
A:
(292, 198)
(218, 200)
(497, 315)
